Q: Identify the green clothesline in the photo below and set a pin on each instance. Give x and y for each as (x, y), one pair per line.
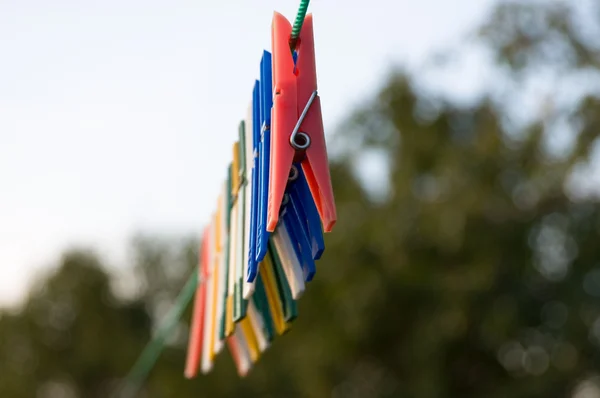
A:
(298, 23)
(149, 356)
(147, 359)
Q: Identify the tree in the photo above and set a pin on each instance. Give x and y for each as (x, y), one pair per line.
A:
(72, 337)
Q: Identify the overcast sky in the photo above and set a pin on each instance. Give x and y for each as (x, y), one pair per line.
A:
(118, 116)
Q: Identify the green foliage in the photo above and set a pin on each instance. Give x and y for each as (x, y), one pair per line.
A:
(472, 274)
(72, 334)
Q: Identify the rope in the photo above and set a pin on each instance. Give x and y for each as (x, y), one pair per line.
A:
(298, 23)
(147, 359)
(153, 349)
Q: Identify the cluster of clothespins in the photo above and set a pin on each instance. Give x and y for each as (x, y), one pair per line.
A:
(262, 243)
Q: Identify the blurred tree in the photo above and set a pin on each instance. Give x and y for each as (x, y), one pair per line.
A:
(471, 272)
(73, 338)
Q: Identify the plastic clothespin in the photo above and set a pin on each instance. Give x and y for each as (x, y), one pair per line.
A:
(259, 299)
(292, 267)
(196, 340)
(226, 221)
(209, 275)
(300, 243)
(301, 220)
(216, 343)
(231, 216)
(239, 160)
(221, 269)
(257, 322)
(274, 300)
(236, 354)
(289, 307)
(254, 191)
(297, 124)
(250, 337)
(264, 156)
(239, 348)
(306, 211)
(234, 233)
(249, 258)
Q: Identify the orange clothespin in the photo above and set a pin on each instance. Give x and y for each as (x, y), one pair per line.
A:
(296, 124)
(197, 331)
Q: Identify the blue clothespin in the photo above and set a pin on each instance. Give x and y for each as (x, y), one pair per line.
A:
(302, 222)
(299, 241)
(254, 210)
(264, 153)
(307, 213)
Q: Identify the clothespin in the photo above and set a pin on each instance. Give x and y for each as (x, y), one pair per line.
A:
(239, 195)
(258, 326)
(301, 220)
(292, 267)
(209, 301)
(254, 191)
(261, 303)
(231, 214)
(236, 354)
(249, 187)
(250, 337)
(289, 307)
(297, 124)
(273, 298)
(240, 351)
(195, 344)
(221, 272)
(306, 211)
(300, 242)
(264, 155)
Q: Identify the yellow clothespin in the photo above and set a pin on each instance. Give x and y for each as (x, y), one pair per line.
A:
(268, 278)
(220, 278)
(233, 239)
(258, 326)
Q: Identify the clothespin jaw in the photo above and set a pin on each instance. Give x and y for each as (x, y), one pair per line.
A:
(297, 124)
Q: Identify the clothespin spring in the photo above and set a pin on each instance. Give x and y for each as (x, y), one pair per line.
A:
(294, 174)
(298, 140)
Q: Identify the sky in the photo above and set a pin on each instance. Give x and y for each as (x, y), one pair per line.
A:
(119, 116)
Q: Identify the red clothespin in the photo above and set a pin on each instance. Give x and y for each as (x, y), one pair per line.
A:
(296, 123)
(194, 353)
